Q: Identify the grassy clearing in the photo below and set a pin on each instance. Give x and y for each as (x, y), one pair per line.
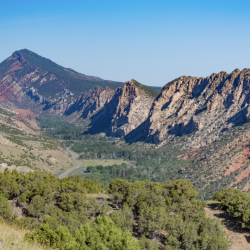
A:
(22, 159)
(86, 163)
(13, 238)
(101, 177)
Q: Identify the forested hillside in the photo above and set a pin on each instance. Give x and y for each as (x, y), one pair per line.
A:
(72, 213)
(220, 164)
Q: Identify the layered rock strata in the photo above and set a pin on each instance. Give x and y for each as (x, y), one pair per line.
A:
(127, 110)
(205, 107)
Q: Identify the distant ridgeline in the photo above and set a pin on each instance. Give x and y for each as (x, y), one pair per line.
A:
(72, 214)
(48, 77)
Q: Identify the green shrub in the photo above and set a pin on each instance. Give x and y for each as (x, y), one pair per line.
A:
(100, 234)
(236, 202)
(6, 210)
(147, 244)
(60, 238)
(27, 223)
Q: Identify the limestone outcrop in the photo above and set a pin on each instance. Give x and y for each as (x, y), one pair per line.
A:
(204, 107)
(127, 110)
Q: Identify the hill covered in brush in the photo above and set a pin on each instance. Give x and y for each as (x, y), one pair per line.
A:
(24, 148)
(72, 214)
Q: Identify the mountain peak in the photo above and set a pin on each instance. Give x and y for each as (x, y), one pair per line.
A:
(46, 78)
(24, 51)
(146, 89)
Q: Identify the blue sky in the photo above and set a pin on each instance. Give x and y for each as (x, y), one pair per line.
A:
(150, 41)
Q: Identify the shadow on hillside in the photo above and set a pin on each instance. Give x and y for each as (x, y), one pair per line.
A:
(137, 135)
(247, 238)
(231, 223)
(214, 206)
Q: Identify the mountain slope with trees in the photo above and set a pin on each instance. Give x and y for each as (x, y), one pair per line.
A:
(30, 81)
(196, 128)
(47, 77)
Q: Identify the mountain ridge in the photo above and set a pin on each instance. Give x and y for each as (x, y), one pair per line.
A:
(127, 109)
(28, 80)
(194, 113)
(193, 104)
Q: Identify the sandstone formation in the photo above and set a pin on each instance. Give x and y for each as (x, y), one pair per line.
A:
(132, 108)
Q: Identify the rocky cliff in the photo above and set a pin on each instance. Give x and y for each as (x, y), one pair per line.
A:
(127, 110)
(206, 121)
(89, 103)
(205, 107)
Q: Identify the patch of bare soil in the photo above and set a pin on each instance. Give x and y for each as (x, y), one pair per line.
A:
(26, 121)
(25, 112)
(20, 208)
(240, 160)
(239, 237)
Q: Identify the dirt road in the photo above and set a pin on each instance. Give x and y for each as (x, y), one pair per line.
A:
(239, 236)
(74, 159)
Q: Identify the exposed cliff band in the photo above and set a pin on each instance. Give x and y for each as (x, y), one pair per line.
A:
(203, 106)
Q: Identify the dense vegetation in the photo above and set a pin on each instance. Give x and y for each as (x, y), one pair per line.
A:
(105, 174)
(236, 202)
(146, 162)
(172, 161)
(167, 212)
(70, 214)
(59, 129)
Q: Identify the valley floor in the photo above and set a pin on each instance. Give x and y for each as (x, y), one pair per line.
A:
(239, 237)
(81, 165)
(74, 159)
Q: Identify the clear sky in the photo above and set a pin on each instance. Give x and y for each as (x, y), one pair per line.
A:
(151, 41)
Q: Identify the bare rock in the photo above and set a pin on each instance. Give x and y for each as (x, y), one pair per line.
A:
(202, 106)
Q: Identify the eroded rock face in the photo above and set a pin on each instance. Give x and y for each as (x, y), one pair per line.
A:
(132, 109)
(128, 108)
(90, 102)
(205, 107)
